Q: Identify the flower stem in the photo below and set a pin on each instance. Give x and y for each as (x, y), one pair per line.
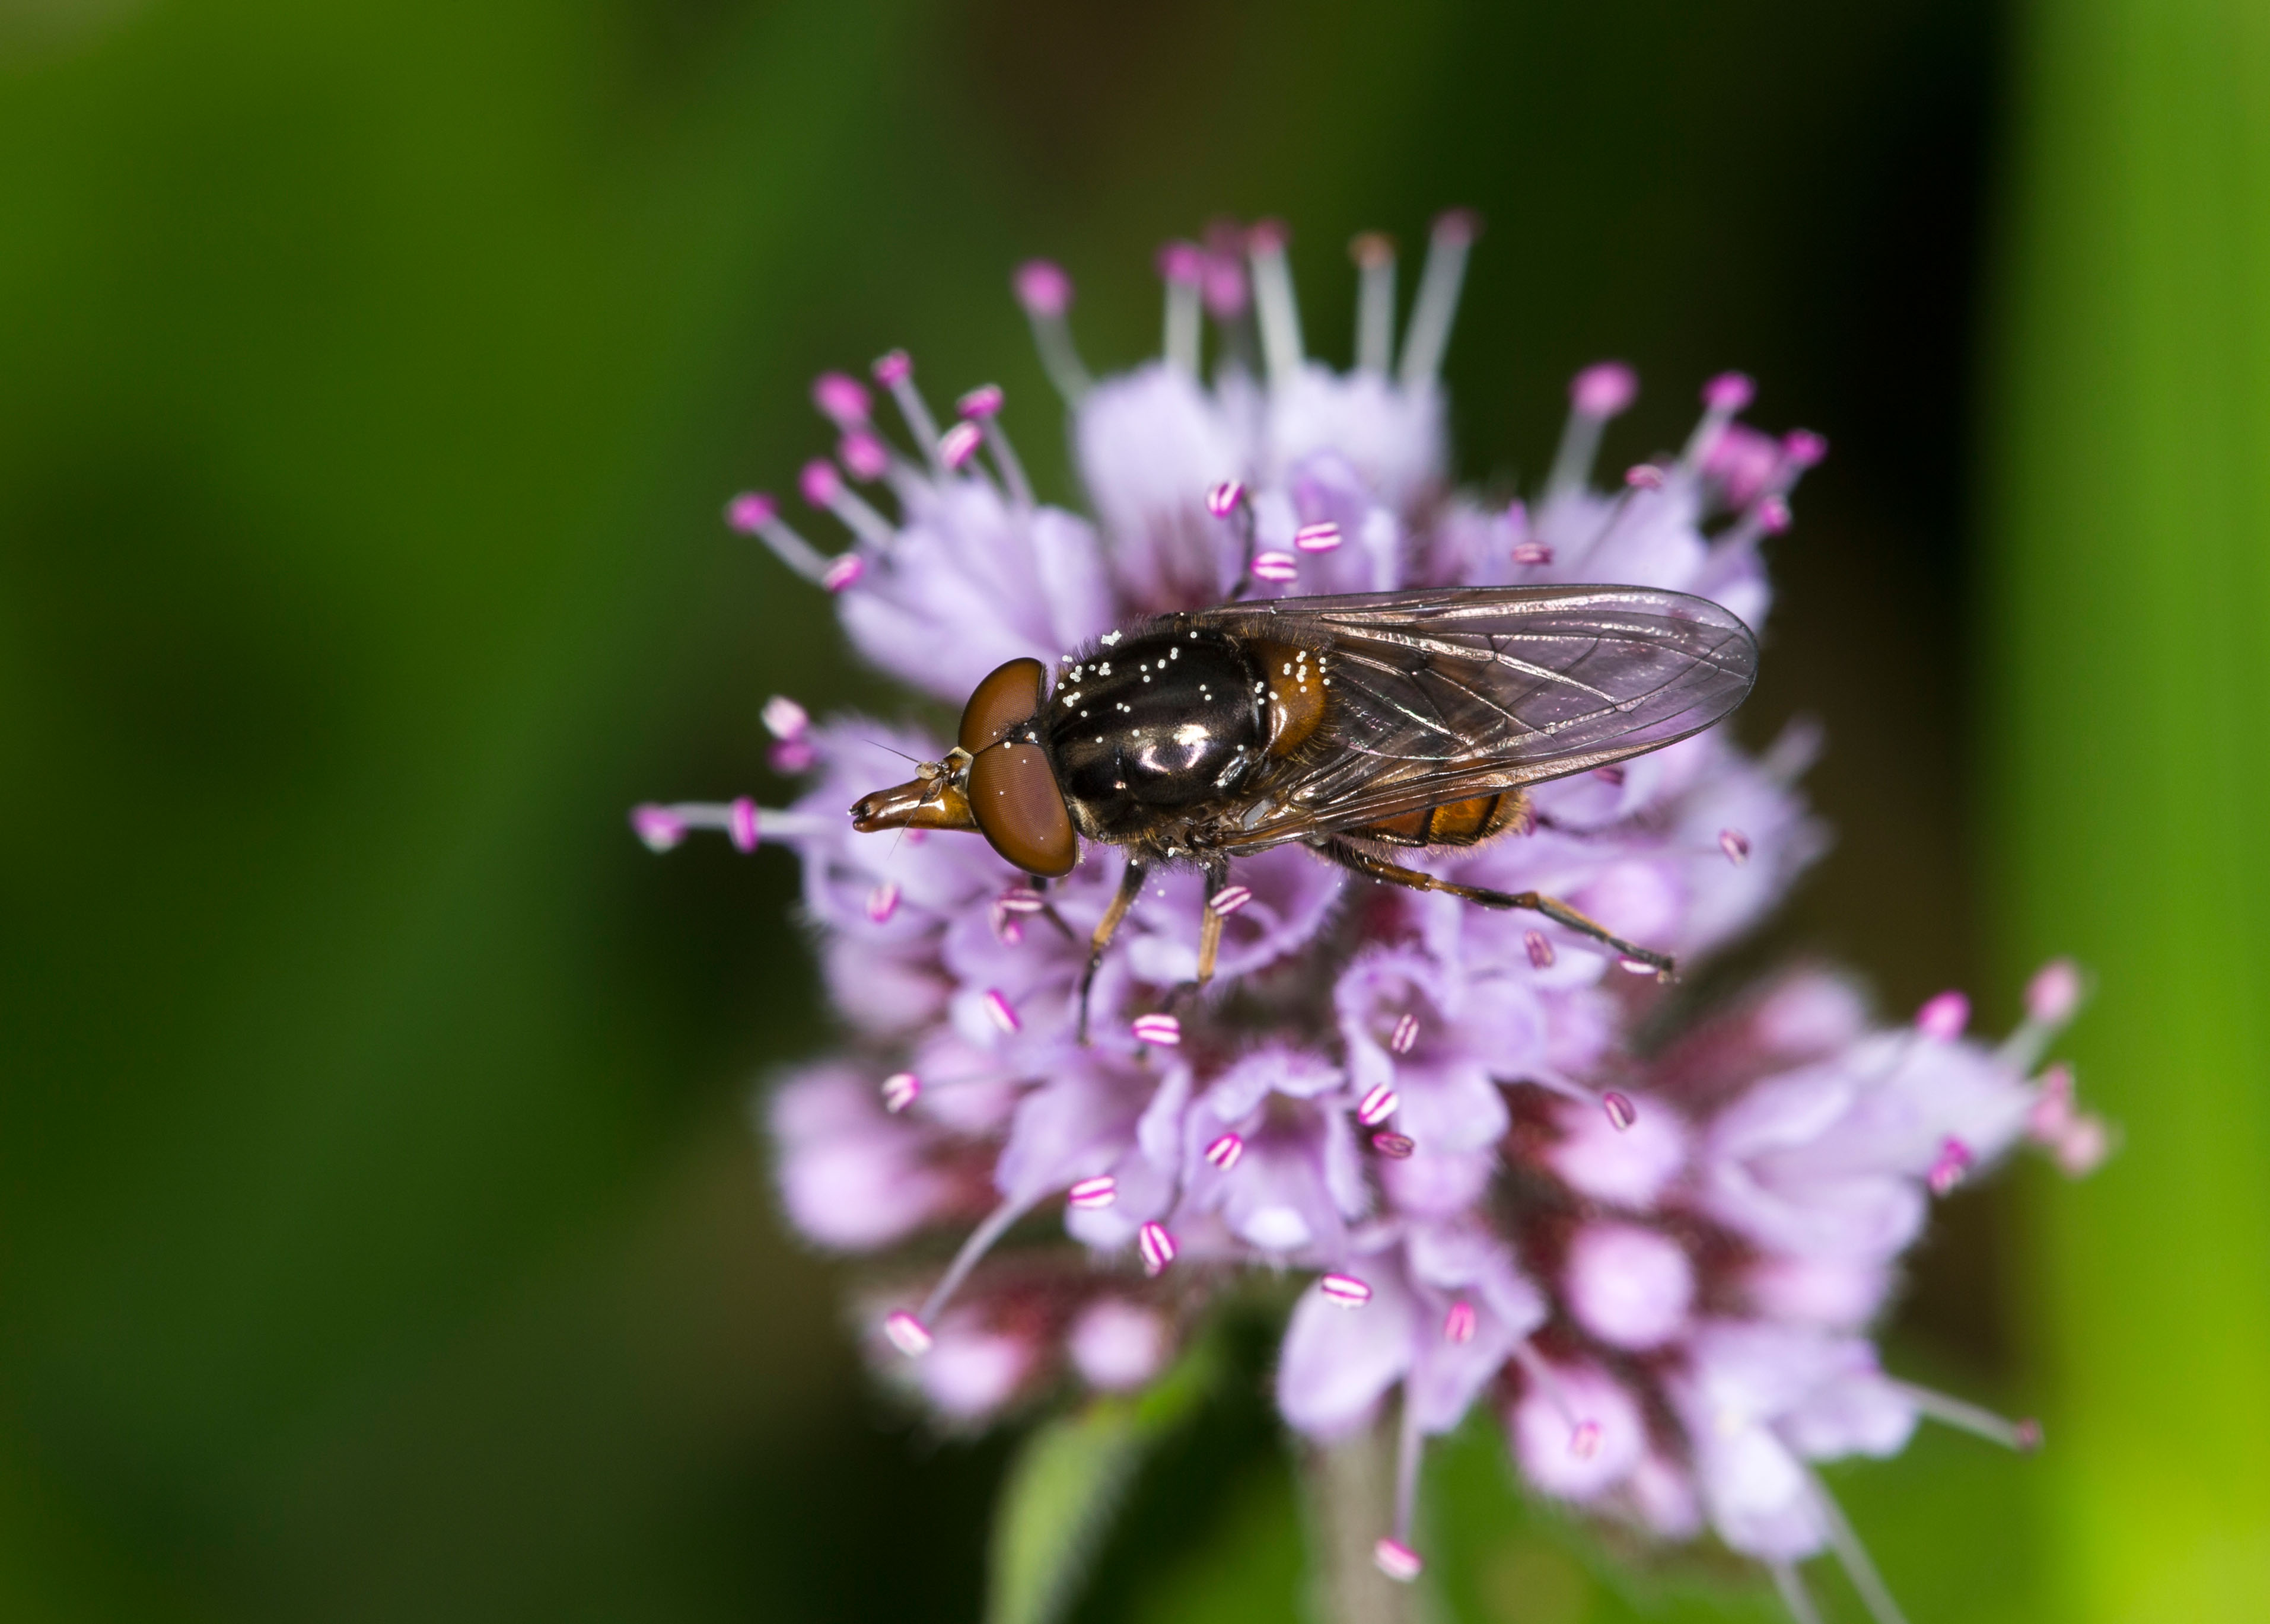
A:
(1348, 1491)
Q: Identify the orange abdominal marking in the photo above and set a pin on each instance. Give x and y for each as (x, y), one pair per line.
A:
(1296, 693)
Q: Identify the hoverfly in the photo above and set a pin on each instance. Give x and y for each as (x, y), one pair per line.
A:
(1355, 724)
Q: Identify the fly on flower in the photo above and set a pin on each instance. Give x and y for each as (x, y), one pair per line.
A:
(1354, 724)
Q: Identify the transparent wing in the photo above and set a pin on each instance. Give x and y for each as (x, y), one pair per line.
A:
(1438, 696)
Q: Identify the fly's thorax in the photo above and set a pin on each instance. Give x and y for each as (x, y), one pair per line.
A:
(1162, 723)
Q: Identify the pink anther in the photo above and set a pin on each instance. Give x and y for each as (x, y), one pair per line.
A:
(1222, 501)
(1622, 1112)
(843, 572)
(751, 511)
(1729, 391)
(1736, 845)
(2054, 993)
(1539, 950)
(1405, 1035)
(1532, 552)
(1274, 566)
(1644, 477)
(1377, 1106)
(1394, 1147)
(882, 903)
(1803, 448)
(907, 1333)
(741, 824)
(658, 827)
(1182, 263)
(983, 402)
(1043, 287)
(1156, 1247)
(1461, 1323)
(1345, 1289)
(1091, 1193)
(1320, 538)
(1226, 1152)
(1943, 1016)
(893, 367)
(819, 482)
(863, 455)
(1585, 1441)
(840, 398)
(1953, 1160)
(1602, 389)
(901, 1089)
(1398, 1560)
(1228, 899)
(1458, 226)
(958, 444)
(1164, 1030)
(1001, 1012)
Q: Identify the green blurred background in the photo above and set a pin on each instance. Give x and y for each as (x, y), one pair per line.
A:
(380, 1232)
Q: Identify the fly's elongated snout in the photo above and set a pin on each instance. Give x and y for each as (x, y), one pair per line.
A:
(930, 802)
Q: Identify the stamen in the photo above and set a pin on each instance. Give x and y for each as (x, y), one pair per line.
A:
(864, 455)
(1226, 1152)
(1346, 1290)
(2023, 1436)
(1021, 900)
(840, 398)
(1394, 1147)
(981, 403)
(1532, 552)
(785, 719)
(983, 406)
(1540, 949)
(1157, 1248)
(901, 1089)
(1273, 301)
(1598, 393)
(1585, 1439)
(1164, 1030)
(1223, 286)
(1228, 899)
(1374, 253)
(1223, 499)
(1405, 1035)
(1091, 1193)
(907, 1333)
(1045, 292)
(1377, 1106)
(958, 444)
(1615, 775)
(1947, 1169)
(1398, 1560)
(1736, 845)
(1461, 1323)
(1622, 1112)
(882, 903)
(1002, 1013)
(1854, 1556)
(1943, 1017)
(753, 513)
(895, 372)
(1793, 1593)
(662, 827)
(823, 487)
(1436, 307)
(1640, 967)
(1644, 477)
(844, 572)
(997, 1223)
(2054, 993)
(1722, 397)
(1183, 267)
(1321, 538)
(1274, 566)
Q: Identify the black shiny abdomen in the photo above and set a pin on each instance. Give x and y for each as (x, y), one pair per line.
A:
(1153, 726)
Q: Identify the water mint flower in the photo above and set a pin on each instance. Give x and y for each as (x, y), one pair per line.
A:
(1657, 1272)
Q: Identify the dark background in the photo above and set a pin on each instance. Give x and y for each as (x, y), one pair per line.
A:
(382, 1234)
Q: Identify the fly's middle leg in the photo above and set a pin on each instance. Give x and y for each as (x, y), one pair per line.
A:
(1361, 862)
(1130, 887)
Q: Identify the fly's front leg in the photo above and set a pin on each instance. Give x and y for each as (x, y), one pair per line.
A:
(1362, 862)
(1130, 887)
(1210, 921)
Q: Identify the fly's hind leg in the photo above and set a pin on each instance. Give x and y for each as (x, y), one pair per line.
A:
(1361, 862)
(1210, 922)
(1130, 887)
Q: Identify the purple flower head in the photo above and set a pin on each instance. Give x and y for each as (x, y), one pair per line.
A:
(1658, 1273)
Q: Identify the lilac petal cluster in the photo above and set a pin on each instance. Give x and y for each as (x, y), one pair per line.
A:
(1658, 1272)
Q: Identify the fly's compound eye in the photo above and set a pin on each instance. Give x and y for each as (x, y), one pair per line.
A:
(1013, 790)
